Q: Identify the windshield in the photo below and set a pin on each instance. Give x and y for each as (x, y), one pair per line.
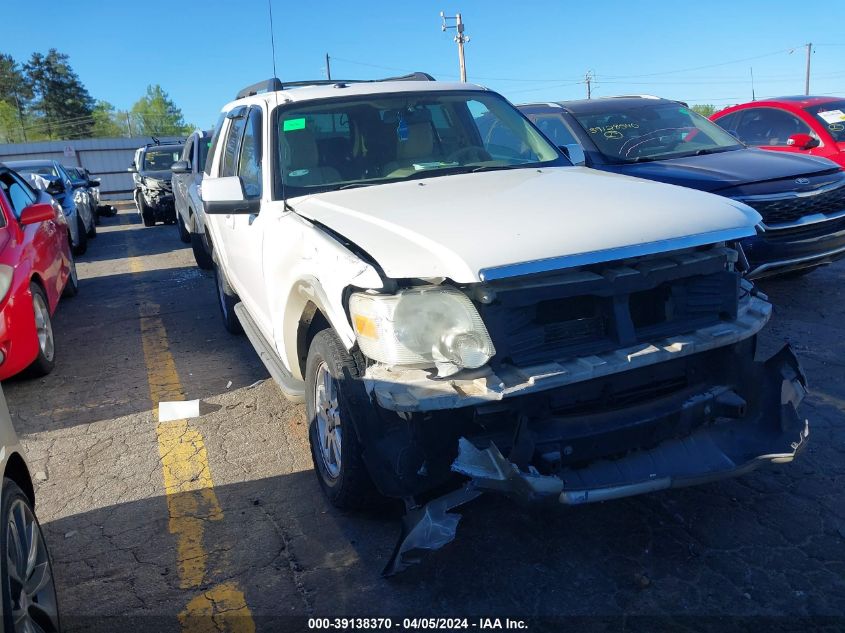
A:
(653, 132)
(160, 159)
(42, 170)
(832, 116)
(387, 138)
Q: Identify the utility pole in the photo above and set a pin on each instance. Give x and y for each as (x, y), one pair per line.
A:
(460, 38)
(328, 68)
(807, 77)
(753, 96)
(129, 123)
(20, 115)
(588, 79)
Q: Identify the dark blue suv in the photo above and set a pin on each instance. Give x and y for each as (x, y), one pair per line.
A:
(801, 198)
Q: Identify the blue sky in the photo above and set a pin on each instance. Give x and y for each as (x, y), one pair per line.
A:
(203, 52)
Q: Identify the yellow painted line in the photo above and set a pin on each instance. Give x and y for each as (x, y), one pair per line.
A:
(188, 486)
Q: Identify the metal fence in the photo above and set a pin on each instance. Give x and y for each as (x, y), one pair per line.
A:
(105, 158)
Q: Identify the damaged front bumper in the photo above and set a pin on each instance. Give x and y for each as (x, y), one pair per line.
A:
(745, 427)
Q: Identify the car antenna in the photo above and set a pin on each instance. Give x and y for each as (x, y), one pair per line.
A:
(156, 140)
(285, 204)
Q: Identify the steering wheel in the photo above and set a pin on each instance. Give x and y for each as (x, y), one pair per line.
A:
(473, 153)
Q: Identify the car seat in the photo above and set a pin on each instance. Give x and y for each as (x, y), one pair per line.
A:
(302, 161)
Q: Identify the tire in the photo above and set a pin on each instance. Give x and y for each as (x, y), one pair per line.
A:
(92, 233)
(334, 443)
(184, 234)
(227, 299)
(201, 252)
(71, 288)
(147, 214)
(46, 359)
(82, 245)
(18, 531)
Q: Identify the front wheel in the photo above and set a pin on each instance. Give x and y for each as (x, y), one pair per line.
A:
(184, 234)
(227, 299)
(147, 214)
(71, 288)
(26, 574)
(46, 358)
(82, 244)
(334, 443)
(201, 251)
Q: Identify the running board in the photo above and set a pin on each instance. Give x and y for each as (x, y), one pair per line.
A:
(293, 389)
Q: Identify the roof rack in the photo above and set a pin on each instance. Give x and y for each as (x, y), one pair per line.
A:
(274, 83)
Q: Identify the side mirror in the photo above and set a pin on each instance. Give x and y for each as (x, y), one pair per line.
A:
(802, 141)
(94, 182)
(181, 167)
(132, 169)
(56, 187)
(575, 153)
(37, 213)
(226, 196)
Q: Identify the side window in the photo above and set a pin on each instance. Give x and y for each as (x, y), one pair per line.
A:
(249, 161)
(768, 126)
(214, 141)
(554, 128)
(19, 194)
(188, 151)
(229, 160)
(729, 122)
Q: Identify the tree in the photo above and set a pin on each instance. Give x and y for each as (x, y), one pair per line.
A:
(108, 122)
(704, 109)
(60, 97)
(15, 94)
(155, 114)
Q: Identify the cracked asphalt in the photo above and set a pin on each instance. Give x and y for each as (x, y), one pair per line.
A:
(770, 544)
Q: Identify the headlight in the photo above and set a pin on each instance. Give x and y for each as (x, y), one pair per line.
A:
(6, 275)
(421, 327)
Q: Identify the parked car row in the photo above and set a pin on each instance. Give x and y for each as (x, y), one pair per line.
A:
(801, 198)
(463, 308)
(47, 212)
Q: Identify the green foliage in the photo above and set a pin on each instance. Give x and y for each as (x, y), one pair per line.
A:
(60, 98)
(704, 109)
(45, 99)
(155, 114)
(108, 121)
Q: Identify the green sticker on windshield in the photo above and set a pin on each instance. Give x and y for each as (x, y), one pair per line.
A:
(293, 124)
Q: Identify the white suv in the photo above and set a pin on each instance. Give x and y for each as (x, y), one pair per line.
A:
(450, 296)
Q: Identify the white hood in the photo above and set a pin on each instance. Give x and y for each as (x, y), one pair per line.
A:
(470, 227)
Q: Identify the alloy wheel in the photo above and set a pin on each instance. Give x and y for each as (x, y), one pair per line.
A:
(43, 327)
(30, 580)
(329, 430)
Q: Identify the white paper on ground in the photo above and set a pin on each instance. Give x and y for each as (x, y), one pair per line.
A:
(178, 410)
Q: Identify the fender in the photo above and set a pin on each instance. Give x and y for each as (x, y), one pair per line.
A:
(322, 279)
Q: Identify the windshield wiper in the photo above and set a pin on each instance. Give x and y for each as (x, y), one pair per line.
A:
(355, 185)
(715, 150)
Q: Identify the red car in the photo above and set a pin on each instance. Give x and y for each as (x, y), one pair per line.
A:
(36, 268)
(803, 125)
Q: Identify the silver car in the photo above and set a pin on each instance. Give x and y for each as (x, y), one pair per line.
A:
(187, 180)
(27, 585)
(60, 185)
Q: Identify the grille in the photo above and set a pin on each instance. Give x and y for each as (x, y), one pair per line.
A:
(791, 209)
(562, 327)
